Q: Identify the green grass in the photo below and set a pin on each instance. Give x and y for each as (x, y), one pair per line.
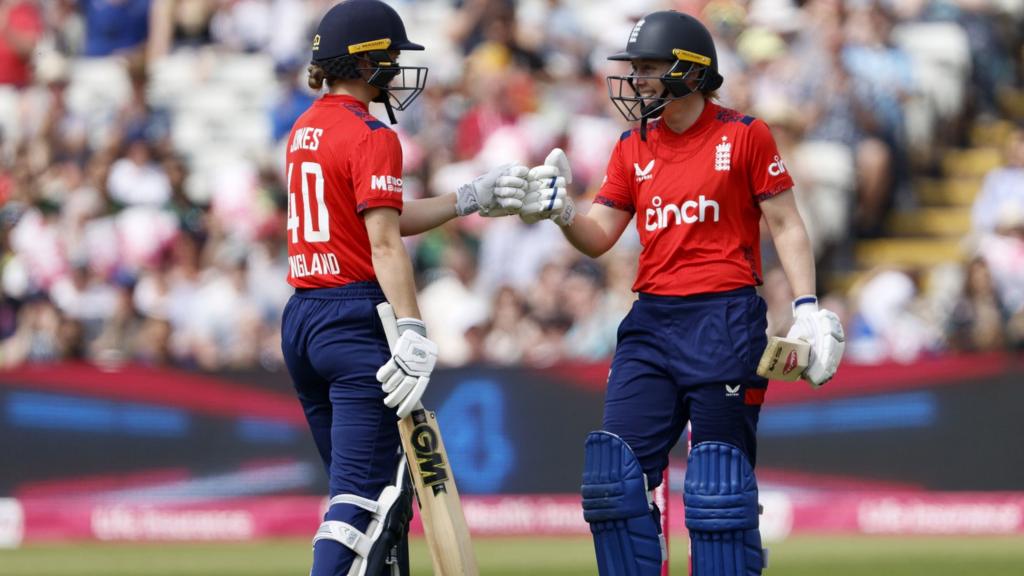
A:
(831, 556)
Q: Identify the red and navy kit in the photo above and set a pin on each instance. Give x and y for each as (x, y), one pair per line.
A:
(695, 196)
(341, 161)
(688, 350)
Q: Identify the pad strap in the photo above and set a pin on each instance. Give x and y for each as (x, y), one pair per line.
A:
(346, 534)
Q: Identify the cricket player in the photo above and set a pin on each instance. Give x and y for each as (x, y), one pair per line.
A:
(345, 254)
(698, 177)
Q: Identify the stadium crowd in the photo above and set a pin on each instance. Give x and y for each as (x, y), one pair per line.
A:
(141, 169)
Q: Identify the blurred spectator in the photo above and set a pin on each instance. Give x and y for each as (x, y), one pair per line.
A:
(594, 320)
(978, 321)
(888, 324)
(115, 26)
(1002, 194)
(144, 209)
(21, 26)
(510, 331)
(137, 179)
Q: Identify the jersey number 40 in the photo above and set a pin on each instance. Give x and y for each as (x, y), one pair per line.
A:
(318, 230)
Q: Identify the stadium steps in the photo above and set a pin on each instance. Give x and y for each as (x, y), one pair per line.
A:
(931, 221)
(931, 234)
(947, 191)
(971, 162)
(1012, 101)
(909, 252)
(990, 133)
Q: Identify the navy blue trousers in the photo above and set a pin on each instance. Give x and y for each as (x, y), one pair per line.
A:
(333, 344)
(681, 359)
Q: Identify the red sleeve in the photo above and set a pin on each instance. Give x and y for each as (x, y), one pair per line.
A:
(768, 174)
(615, 191)
(26, 20)
(377, 171)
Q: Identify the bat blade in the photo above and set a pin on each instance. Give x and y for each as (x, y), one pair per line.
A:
(444, 523)
(784, 359)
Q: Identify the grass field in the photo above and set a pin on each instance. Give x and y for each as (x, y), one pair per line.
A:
(829, 556)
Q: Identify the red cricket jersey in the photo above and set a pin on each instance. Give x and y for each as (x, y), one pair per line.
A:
(695, 196)
(340, 161)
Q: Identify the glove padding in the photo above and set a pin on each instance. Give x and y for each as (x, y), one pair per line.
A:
(546, 195)
(405, 376)
(824, 332)
(499, 192)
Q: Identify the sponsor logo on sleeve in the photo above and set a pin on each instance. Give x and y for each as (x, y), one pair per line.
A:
(386, 184)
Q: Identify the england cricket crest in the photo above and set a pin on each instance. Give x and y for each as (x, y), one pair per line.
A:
(723, 155)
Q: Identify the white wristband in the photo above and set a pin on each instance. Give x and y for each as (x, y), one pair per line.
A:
(414, 324)
(807, 302)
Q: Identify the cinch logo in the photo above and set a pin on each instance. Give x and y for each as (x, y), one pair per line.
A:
(388, 183)
(688, 212)
(777, 167)
(643, 173)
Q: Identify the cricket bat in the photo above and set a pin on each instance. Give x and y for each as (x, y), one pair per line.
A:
(444, 524)
(784, 359)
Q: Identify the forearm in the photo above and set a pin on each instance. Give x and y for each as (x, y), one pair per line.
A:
(394, 274)
(587, 236)
(794, 249)
(418, 216)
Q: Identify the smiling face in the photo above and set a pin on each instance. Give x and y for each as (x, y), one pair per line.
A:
(646, 75)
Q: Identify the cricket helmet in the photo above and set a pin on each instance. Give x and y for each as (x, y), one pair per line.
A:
(356, 39)
(673, 37)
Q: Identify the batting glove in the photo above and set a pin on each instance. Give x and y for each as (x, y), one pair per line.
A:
(499, 192)
(546, 195)
(824, 332)
(405, 376)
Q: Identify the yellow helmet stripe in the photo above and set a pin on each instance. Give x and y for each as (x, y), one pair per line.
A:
(381, 44)
(688, 56)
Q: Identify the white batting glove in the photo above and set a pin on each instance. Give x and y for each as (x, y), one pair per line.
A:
(824, 332)
(405, 376)
(546, 195)
(499, 192)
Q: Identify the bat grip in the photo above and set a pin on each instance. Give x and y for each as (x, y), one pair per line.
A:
(390, 323)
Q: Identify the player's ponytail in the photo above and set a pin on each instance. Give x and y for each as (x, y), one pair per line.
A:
(316, 76)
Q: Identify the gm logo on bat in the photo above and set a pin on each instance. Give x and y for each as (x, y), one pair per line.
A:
(433, 469)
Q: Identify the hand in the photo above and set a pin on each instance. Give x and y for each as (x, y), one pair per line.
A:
(546, 196)
(822, 329)
(497, 193)
(405, 376)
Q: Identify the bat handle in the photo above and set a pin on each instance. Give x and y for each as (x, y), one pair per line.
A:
(390, 323)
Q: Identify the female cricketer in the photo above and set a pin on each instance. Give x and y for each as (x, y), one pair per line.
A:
(345, 221)
(698, 177)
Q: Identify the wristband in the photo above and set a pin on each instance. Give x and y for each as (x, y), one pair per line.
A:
(809, 301)
(414, 324)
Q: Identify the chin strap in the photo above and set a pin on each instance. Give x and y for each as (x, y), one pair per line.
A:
(659, 104)
(387, 106)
